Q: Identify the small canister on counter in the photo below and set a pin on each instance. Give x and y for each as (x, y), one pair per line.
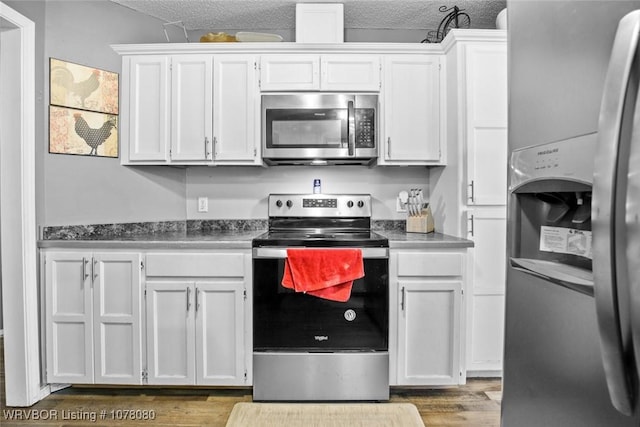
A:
(316, 186)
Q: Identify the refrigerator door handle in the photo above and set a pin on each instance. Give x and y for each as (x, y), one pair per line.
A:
(614, 111)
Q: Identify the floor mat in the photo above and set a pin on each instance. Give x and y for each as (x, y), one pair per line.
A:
(247, 414)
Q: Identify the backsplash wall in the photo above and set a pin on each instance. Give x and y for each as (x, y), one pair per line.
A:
(241, 192)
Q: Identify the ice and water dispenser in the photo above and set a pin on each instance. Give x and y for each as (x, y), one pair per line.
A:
(550, 228)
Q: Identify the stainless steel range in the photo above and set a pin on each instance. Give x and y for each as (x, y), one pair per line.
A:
(308, 347)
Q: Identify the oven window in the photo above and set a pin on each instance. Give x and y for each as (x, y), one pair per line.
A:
(284, 320)
(315, 128)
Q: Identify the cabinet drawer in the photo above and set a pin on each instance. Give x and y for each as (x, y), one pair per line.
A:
(430, 264)
(195, 265)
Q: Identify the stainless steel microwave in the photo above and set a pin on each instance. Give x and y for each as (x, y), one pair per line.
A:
(319, 128)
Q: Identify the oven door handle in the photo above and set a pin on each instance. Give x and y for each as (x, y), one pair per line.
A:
(277, 252)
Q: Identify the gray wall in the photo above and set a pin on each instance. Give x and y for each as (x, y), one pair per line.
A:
(83, 189)
(241, 192)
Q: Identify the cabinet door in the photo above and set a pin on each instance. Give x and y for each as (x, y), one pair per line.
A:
(486, 123)
(289, 72)
(68, 317)
(191, 107)
(411, 110)
(487, 228)
(350, 72)
(116, 320)
(220, 333)
(147, 112)
(429, 332)
(236, 104)
(170, 333)
(487, 332)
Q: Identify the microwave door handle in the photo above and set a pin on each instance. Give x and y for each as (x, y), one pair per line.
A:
(351, 129)
(604, 213)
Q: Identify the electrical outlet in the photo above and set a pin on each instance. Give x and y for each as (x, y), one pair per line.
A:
(203, 204)
(400, 207)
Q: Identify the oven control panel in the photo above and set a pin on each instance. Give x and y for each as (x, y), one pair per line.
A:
(320, 205)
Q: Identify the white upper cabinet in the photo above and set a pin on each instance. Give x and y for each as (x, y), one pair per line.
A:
(353, 73)
(339, 72)
(289, 72)
(236, 111)
(411, 101)
(191, 107)
(486, 124)
(199, 104)
(145, 109)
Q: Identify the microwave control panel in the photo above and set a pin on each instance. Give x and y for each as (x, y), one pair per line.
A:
(365, 128)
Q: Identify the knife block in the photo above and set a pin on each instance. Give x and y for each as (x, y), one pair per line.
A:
(422, 223)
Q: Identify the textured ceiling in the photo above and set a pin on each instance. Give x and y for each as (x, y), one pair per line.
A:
(255, 15)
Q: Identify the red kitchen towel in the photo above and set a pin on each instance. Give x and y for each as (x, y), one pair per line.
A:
(324, 273)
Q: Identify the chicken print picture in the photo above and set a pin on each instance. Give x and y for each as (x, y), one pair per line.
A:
(74, 131)
(83, 110)
(82, 87)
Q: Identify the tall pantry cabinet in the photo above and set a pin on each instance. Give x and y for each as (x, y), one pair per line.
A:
(477, 138)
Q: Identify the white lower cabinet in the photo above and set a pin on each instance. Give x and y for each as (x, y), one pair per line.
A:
(196, 313)
(92, 317)
(487, 227)
(426, 317)
(191, 309)
(487, 331)
(192, 333)
(170, 333)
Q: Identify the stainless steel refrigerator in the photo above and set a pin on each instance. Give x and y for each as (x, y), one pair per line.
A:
(572, 326)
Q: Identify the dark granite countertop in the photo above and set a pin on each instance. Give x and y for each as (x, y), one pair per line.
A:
(162, 240)
(223, 234)
(192, 234)
(404, 240)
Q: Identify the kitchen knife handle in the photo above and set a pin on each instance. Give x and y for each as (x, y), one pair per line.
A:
(351, 133)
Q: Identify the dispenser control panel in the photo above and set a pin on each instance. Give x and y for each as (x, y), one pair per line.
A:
(570, 159)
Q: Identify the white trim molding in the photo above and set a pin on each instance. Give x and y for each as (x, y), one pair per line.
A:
(20, 283)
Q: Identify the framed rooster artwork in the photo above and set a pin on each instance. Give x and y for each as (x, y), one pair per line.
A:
(82, 132)
(83, 110)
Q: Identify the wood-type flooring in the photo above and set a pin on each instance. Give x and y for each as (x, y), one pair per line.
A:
(475, 404)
